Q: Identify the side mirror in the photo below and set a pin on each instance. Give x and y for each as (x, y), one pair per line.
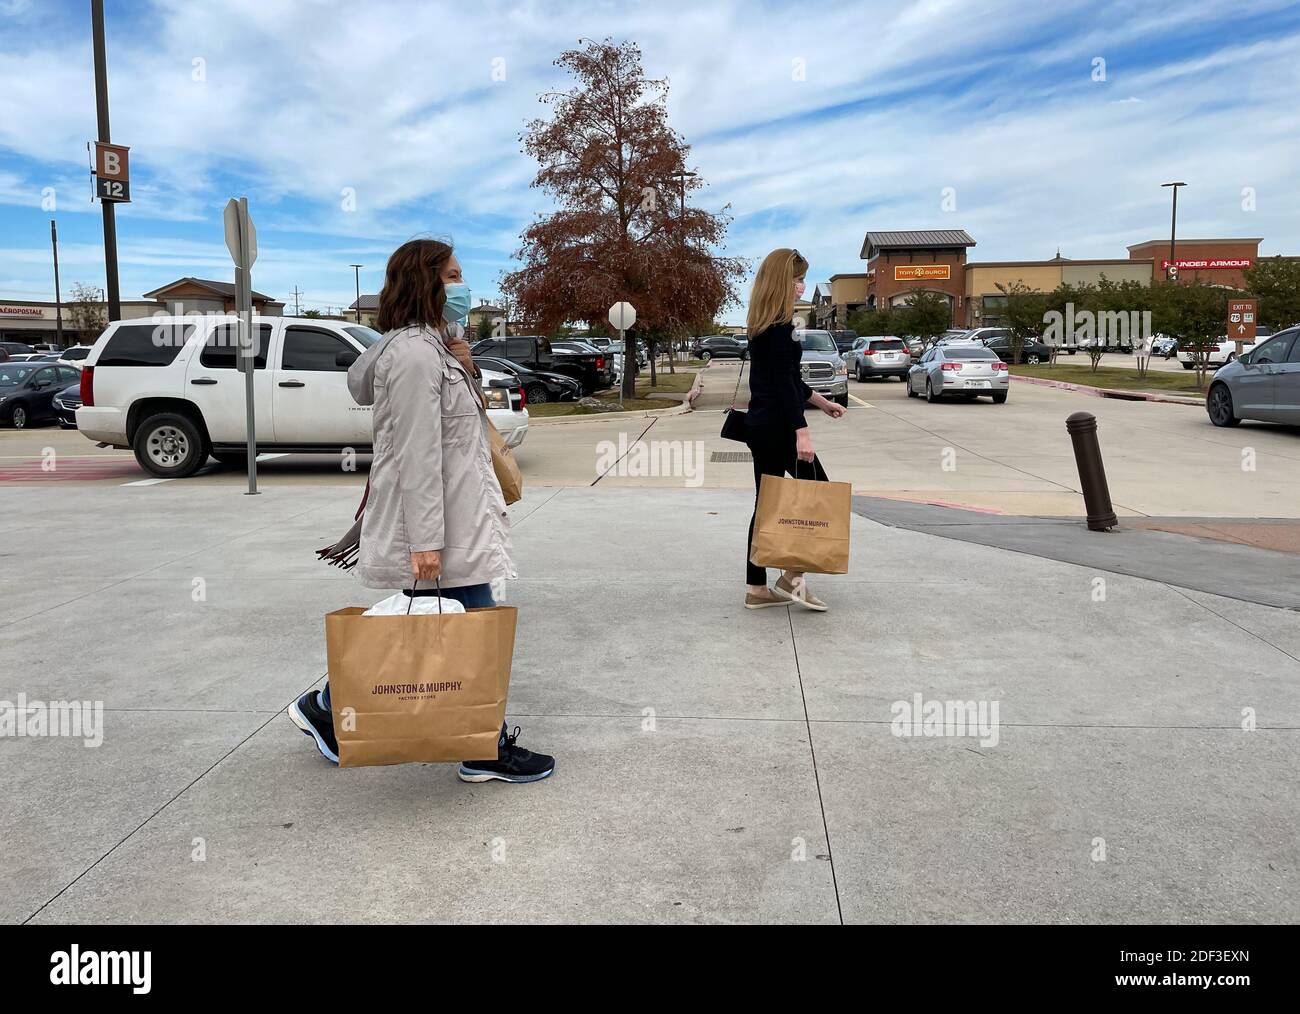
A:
(345, 359)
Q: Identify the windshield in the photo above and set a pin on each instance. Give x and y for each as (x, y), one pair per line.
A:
(817, 341)
(889, 343)
(11, 375)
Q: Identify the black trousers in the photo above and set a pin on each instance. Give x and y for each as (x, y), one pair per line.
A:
(775, 454)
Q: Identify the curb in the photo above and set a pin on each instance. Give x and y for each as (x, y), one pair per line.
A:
(1110, 392)
(681, 408)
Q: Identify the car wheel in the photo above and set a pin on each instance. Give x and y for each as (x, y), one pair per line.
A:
(18, 417)
(1188, 366)
(999, 397)
(1232, 357)
(858, 374)
(537, 394)
(706, 356)
(910, 393)
(1033, 359)
(930, 396)
(170, 446)
(842, 400)
(1219, 406)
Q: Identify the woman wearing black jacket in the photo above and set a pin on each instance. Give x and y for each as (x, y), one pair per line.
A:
(779, 439)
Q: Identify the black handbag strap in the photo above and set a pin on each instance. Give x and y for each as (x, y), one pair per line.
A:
(738, 376)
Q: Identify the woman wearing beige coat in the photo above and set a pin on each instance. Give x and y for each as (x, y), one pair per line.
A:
(434, 511)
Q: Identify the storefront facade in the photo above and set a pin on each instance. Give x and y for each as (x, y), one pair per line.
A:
(932, 260)
(1205, 261)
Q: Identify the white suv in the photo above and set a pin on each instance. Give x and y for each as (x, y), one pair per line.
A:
(168, 388)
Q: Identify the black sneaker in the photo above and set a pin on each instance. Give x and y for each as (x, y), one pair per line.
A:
(317, 722)
(513, 764)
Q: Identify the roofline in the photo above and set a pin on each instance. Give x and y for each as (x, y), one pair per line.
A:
(1227, 239)
(204, 283)
(1054, 263)
(849, 274)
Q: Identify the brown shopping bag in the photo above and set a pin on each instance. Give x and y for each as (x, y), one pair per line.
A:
(419, 688)
(802, 524)
(505, 466)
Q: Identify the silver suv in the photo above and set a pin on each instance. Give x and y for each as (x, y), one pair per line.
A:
(822, 367)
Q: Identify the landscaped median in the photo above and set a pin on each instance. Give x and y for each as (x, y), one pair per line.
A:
(1115, 382)
(672, 390)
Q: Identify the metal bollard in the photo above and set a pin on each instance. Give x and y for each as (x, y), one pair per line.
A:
(1082, 427)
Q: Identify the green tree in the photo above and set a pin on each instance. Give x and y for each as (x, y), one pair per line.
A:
(1024, 313)
(1193, 314)
(1275, 282)
(925, 315)
(873, 322)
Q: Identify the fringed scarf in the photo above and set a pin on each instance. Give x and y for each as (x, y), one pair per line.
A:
(344, 552)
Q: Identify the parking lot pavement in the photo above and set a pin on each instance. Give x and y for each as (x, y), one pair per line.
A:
(714, 764)
(1162, 460)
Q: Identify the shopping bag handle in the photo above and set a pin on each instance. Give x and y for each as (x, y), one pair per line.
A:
(410, 597)
(799, 461)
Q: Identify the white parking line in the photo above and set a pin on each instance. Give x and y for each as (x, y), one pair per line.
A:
(272, 457)
(145, 482)
(859, 401)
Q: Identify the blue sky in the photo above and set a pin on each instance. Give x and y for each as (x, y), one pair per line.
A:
(814, 122)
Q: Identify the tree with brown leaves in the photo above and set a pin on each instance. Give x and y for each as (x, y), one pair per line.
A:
(622, 229)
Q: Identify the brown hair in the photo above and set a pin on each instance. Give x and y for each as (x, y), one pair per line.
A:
(772, 299)
(413, 292)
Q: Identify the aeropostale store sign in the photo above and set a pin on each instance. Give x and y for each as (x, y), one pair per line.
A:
(21, 311)
(922, 272)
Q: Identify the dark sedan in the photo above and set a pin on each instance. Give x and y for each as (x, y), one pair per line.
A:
(66, 403)
(27, 391)
(1032, 351)
(540, 386)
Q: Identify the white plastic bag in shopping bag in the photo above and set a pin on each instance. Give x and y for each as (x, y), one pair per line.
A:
(420, 605)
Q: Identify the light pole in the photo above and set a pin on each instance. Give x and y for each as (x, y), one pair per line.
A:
(1173, 229)
(101, 113)
(681, 176)
(58, 302)
(356, 271)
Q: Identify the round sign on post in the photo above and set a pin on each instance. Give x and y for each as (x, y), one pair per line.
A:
(622, 316)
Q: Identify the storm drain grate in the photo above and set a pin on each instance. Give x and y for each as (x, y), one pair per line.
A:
(731, 456)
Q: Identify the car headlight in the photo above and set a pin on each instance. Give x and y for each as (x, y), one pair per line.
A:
(497, 397)
(842, 368)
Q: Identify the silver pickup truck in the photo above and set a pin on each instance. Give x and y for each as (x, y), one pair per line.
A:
(822, 368)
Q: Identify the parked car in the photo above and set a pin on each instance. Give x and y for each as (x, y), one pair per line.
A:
(24, 357)
(1031, 351)
(822, 367)
(882, 356)
(16, 349)
(975, 335)
(968, 370)
(66, 403)
(1263, 384)
(1224, 350)
(721, 346)
(1164, 347)
(75, 355)
(540, 386)
(844, 340)
(175, 397)
(589, 366)
(27, 392)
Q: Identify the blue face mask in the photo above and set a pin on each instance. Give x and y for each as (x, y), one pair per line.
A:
(457, 306)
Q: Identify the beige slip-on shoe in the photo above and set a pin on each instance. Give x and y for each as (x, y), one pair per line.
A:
(797, 591)
(753, 601)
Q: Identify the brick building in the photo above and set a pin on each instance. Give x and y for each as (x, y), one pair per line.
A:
(898, 262)
(1207, 261)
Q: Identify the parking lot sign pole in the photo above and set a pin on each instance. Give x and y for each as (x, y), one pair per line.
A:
(623, 316)
(241, 240)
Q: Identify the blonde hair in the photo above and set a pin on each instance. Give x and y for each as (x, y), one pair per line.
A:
(772, 299)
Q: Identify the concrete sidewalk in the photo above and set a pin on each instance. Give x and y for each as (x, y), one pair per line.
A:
(714, 764)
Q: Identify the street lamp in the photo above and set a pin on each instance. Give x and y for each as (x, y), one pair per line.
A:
(356, 272)
(1171, 272)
